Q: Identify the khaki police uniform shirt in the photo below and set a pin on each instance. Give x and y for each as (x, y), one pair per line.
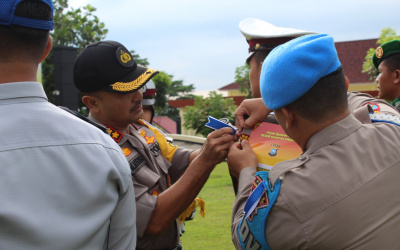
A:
(155, 165)
(342, 192)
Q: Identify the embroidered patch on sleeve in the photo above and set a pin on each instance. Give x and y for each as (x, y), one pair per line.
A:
(375, 107)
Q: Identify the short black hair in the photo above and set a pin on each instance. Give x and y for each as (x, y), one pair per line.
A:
(23, 43)
(326, 99)
(259, 55)
(392, 62)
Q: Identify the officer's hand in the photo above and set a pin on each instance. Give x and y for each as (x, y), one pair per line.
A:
(241, 158)
(254, 109)
(216, 147)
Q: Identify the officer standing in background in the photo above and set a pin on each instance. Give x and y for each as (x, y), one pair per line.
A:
(387, 60)
(149, 99)
(262, 37)
(342, 191)
(64, 184)
(110, 82)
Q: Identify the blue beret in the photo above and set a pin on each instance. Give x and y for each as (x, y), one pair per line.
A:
(293, 68)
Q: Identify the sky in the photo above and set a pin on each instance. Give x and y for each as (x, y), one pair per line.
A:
(199, 42)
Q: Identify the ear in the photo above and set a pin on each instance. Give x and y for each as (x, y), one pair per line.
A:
(289, 117)
(47, 49)
(91, 102)
(396, 76)
(347, 82)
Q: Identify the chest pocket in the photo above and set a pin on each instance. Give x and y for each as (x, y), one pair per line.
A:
(142, 174)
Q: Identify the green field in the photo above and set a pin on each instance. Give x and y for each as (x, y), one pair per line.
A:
(214, 230)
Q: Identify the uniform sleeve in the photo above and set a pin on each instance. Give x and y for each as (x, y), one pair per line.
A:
(367, 109)
(246, 179)
(357, 100)
(122, 231)
(283, 229)
(180, 163)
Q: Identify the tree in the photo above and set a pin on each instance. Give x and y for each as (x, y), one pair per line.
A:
(368, 67)
(163, 82)
(214, 105)
(74, 28)
(166, 88)
(242, 77)
(141, 61)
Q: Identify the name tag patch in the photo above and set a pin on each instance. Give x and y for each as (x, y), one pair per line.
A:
(155, 149)
(137, 163)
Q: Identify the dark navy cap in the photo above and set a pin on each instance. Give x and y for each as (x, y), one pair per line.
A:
(109, 66)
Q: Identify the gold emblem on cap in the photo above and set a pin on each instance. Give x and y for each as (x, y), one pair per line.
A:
(125, 57)
(379, 52)
(135, 84)
(258, 46)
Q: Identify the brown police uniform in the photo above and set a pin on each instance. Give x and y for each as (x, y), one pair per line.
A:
(155, 164)
(342, 192)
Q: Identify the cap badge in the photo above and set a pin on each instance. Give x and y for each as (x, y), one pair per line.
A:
(258, 46)
(124, 57)
(379, 52)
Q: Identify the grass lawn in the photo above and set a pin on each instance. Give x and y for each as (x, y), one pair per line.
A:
(214, 230)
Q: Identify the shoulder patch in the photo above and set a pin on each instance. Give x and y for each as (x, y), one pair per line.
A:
(375, 107)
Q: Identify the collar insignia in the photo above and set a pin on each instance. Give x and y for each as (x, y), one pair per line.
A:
(115, 135)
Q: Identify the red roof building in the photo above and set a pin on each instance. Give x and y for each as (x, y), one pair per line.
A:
(166, 124)
(352, 56)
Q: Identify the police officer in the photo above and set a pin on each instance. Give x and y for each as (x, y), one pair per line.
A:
(149, 99)
(64, 183)
(387, 60)
(342, 191)
(166, 178)
(262, 37)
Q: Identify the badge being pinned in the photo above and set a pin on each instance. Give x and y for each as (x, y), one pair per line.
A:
(217, 124)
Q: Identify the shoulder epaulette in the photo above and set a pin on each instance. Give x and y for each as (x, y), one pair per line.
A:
(77, 114)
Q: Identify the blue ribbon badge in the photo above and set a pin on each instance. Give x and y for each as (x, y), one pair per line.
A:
(217, 124)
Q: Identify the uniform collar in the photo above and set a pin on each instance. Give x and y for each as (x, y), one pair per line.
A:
(332, 133)
(116, 135)
(16, 90)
